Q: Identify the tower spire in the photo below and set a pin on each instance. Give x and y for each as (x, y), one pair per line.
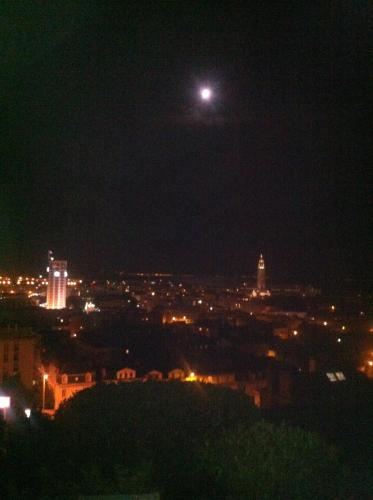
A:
(261, 276)
(260, 290)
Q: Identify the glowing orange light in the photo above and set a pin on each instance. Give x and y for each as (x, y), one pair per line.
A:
(192, 377)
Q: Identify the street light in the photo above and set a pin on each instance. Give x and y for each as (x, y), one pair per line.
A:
(192, 377)
(4, 404)
(45, 378)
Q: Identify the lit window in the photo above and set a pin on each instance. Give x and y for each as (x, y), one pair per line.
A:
(340, 375)
(331, 377)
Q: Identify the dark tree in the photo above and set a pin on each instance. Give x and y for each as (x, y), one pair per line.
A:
(183, 440)
(153, 431)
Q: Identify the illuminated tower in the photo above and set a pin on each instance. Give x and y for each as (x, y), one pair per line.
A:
(57, 281)
(261, 276)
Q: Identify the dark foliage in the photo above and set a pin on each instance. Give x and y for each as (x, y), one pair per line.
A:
(181, 440)
(159, 426)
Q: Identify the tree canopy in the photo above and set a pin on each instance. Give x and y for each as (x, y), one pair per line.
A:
(183, 440)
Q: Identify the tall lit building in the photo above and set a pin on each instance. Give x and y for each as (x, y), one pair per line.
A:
(261, 275)
(261, 290)
(57, 281)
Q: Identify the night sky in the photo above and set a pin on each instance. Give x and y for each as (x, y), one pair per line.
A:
(110, 158)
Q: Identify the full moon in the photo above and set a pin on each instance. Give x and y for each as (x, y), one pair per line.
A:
(206, 94)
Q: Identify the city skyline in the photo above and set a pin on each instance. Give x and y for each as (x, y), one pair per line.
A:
(114, 157)
(252, 273)
(185, 252)
(61, 265)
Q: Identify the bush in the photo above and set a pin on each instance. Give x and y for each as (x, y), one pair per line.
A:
(266, 461)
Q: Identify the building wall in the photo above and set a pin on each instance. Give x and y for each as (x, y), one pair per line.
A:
(219, 379)
(126, 374)
(19, 354)
(154, 375)
(64, 386)
(176, 374)
(62, 392)
(57, 282)
(266, 389)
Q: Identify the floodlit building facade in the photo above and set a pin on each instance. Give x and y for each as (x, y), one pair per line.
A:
(66, 385)
(19, 355)
(57, 282)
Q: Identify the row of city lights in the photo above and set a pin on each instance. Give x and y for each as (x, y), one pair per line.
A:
(37, 282)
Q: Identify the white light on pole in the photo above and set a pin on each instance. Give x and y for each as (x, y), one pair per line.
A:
(4, 404)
